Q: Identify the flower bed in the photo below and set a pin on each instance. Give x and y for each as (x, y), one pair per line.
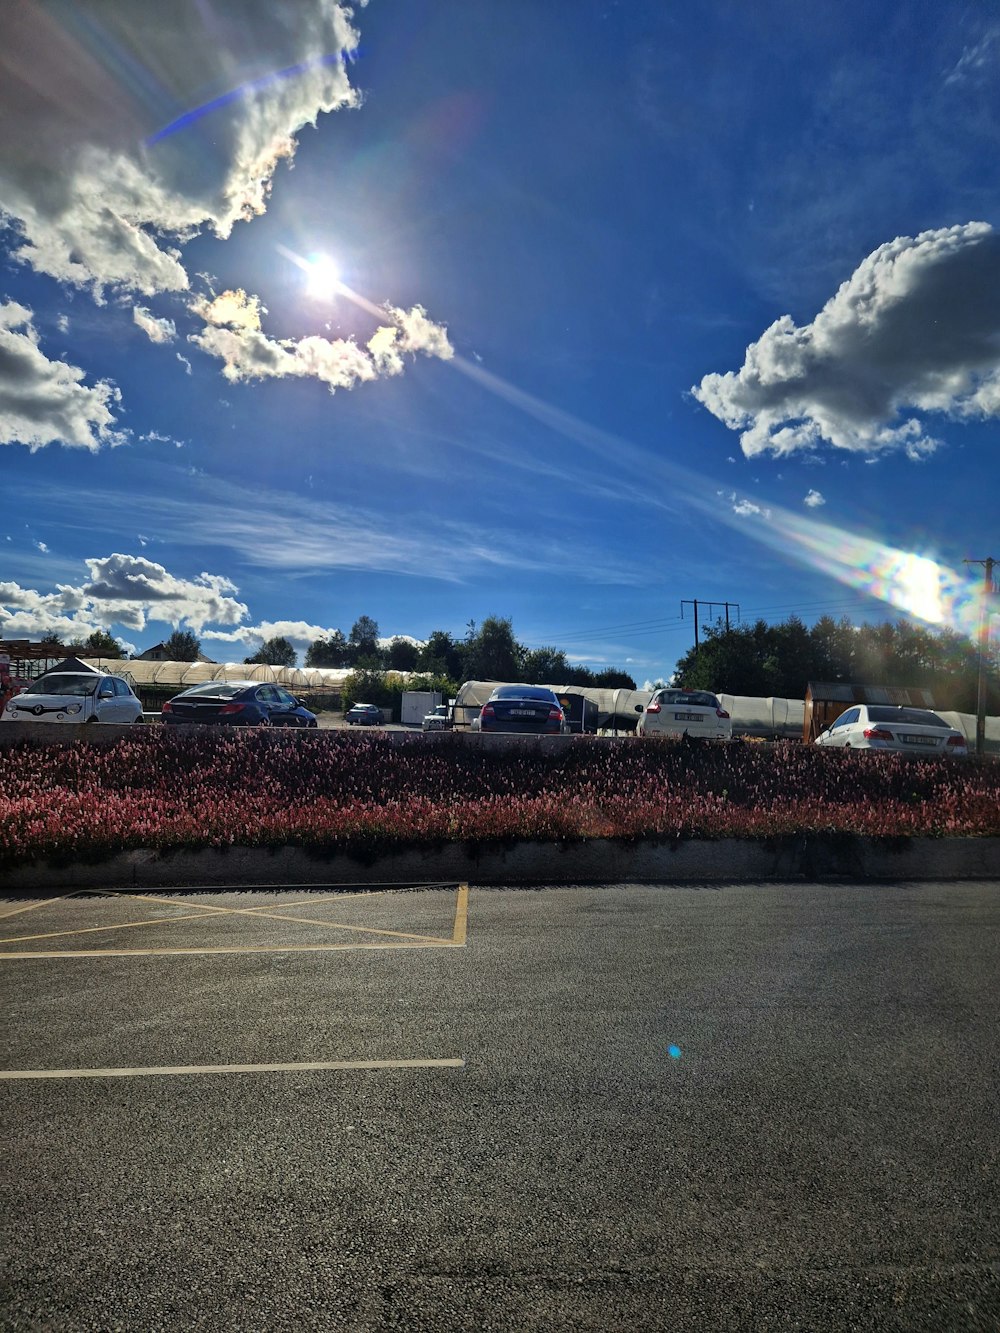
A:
(348, 792)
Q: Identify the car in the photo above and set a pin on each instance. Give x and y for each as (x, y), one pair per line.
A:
(678, 712)
(75, 696)
(237, 703)
(438, 719)
(364, 715)
(522, 708)
(917, 731)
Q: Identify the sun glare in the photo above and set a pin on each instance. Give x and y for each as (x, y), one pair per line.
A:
(322, 279)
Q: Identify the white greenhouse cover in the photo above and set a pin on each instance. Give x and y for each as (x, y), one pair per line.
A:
(183, 674)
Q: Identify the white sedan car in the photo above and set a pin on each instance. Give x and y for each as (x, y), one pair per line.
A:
(886, 727)
(75, 696)
(676, 712)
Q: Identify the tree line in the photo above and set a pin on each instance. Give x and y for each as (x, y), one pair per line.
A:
(489, 651)
(763, 660)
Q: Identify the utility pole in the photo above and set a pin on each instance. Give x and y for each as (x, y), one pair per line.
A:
(984, 651)
(695, 603)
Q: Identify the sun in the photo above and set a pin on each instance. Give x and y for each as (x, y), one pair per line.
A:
(322, 278)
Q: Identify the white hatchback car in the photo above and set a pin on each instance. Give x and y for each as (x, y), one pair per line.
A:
(676, 712)
(75, 696)
(887, 727)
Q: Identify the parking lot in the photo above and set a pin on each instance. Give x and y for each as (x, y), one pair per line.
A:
(604, 1107)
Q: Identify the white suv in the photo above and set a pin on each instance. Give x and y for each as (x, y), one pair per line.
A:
(75, 696)
(675, 712)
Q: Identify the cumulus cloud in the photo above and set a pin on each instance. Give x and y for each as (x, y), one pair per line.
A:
(813, 500)
(298, 632)
(121, 590)
(233, 333)
(915, 330)
(45, 402)
(106, 178)
(156, 330)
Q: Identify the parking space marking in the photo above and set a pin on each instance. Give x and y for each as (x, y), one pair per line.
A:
(389, 939)
(142, 1071)
(33, 907)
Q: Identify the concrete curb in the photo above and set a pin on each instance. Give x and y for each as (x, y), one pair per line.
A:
(599, 861)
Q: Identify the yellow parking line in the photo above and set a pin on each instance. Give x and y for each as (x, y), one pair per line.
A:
(141, 1071)
(259, 912)
(226, 948)
(90, 930)
(31, 907)
(461, 916)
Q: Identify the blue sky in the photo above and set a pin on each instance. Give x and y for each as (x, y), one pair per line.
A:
(436, 310)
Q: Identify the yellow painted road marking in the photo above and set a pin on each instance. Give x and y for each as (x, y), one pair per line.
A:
(31, 907)
(461, 916)
(307, 1066)
(225, 948)
(203, 910)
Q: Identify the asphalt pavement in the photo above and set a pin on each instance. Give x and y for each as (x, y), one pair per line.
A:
(760, 1107)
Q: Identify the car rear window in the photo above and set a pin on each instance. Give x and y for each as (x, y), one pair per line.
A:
(217, 689)
(914, 717)
(699, 698)
(524, 692)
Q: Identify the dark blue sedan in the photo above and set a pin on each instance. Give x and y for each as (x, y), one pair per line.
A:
(524, 708)
(237, 703)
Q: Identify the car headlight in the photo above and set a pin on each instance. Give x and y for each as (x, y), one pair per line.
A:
(72, 708)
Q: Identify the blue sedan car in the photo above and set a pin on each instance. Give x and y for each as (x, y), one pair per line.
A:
(237, 703)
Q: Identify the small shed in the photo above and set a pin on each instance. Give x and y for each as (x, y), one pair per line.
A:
(826, 700)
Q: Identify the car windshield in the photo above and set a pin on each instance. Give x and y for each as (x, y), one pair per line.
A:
(913, 717)
(80, 685)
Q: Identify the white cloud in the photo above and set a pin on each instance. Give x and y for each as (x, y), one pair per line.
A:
(42, 547)
(103, 192)
(122, 590)
(185, 363)
(46, 402)
(233, 334)
(298, 632)
(813, 500)
(916, 329)
(156, 330)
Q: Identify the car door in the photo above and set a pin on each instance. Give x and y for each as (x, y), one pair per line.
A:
(840, 732)
(285, 709)
(107, 706)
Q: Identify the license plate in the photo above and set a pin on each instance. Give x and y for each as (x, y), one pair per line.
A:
(917, 740)
(521, 712)
(687, 717)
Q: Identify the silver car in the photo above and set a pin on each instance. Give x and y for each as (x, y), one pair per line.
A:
(886, 727)
(75, 696)
(677, 712)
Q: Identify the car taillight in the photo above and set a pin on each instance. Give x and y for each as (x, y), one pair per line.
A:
(652, 708)
(721, 712)
(956, 740)
(877, 734)
(167, 707)
(487, 711)
(231, 708)
(555, 715)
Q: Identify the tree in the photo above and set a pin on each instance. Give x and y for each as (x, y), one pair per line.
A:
(182, 646)
(401, 654)
(101, 644)
(441, 655)
(492, 653)
(329, 652)
(363, 638)
(546, 666)
(275, 652)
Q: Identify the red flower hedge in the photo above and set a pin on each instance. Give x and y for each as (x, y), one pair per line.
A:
(348, 791)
